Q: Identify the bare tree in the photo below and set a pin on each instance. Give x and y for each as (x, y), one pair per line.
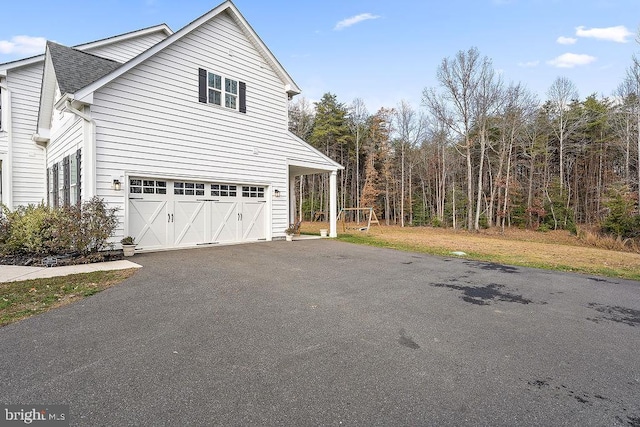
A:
(358, 117)
(560, 94)
(409, 128)
(468, 88)
(631, 85)
(301, 117)
(485, 105)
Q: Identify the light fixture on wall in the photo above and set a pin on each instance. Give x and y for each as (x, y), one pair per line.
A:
(116, 185)
(276, 193)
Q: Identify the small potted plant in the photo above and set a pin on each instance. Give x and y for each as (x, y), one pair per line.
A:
(128, 246)
(289, 232)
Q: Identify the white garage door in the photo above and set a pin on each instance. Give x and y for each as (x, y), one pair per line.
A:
(166, 214)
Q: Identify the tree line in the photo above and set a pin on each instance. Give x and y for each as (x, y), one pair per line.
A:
(480, 152)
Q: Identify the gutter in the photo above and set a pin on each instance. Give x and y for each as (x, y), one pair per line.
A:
(7, 170)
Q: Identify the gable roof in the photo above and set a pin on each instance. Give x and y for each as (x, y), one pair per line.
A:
(75, 69)
(162, 28)
(228, 7)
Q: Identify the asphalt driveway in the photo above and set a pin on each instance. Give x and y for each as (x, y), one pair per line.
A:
(328, 333)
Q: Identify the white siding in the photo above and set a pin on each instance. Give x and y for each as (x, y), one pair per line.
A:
(125, 50)
(28, 159)
(150, 121)
(66, 137)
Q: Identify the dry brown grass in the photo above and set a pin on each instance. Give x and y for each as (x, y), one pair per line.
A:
(557, 250)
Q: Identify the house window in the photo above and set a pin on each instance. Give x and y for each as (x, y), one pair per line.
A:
(60, 182)
(188, 188)
(223, 190)
(147, 186)
(223, 91)
(1, 115)
(230, 93)
(52, 183)
(74, 193)
(216, 94)
(215, 89)
(252, 191)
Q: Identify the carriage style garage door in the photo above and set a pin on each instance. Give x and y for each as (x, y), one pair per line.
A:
(167, 214)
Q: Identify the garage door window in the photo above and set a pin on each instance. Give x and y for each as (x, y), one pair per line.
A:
(252, 191)
(188, 189)
(145, 186)
(223, 190)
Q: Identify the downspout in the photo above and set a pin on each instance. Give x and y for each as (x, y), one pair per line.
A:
(89, 172)
(7, 177)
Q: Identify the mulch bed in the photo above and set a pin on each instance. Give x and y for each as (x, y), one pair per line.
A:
(60, 260)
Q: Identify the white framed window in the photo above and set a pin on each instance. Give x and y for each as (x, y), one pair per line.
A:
(224, 190)
(60, 199)
(252, 192)
(188, 188)
(230, 93)
(218, 89)
(215, 89)
(74, 193)
(147, 186)
(223, 96)
(52, 183)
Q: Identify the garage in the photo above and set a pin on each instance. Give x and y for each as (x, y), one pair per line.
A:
(165, 214)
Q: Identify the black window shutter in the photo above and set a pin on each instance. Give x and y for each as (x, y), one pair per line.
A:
(242, 92)
(202, 85)
(49, 201)
(66, 185)
(79, 174)
(55, 185)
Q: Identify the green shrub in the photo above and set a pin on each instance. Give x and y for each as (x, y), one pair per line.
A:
(620, 219)
(40, 230)
(27, 229)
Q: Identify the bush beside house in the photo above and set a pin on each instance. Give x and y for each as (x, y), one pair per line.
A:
(39, 230)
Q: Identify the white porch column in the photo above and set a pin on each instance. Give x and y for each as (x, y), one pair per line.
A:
(292, 200)
(333, 209)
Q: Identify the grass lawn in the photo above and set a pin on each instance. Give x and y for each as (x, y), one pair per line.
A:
(553, 250)
(19, 300)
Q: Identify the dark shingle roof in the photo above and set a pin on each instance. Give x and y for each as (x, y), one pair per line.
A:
(76, 69)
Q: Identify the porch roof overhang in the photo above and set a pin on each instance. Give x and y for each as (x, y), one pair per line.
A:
(300, 167)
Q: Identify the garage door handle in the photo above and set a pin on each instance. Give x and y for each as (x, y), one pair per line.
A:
(169, 217)
(135, 198)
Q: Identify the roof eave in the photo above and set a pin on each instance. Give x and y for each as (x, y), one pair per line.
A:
(291, 87)
(97, 43)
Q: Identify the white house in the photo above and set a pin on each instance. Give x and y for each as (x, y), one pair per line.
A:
(185, 132)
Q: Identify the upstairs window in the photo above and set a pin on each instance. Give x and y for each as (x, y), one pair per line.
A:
(230, 93)
(215, 89)
(219, 90)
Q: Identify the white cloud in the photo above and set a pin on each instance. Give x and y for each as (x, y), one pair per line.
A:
(566, 40)
(23, 45)
(617, 34)
(528, 64)
(570, 60)
(345, 23)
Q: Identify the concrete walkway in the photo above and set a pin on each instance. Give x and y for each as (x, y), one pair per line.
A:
(13, 273)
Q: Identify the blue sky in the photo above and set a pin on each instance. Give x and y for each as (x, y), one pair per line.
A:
(380, 51)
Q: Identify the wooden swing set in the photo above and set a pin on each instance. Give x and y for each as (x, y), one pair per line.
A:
(348, 216)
